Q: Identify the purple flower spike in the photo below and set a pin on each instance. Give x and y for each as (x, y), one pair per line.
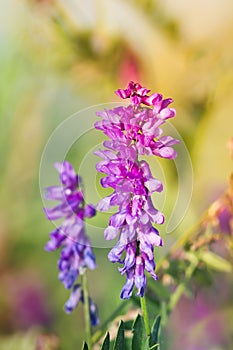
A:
(76, 252)
(134, 131)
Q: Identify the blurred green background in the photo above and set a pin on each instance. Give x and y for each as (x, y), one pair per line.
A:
(58, 57)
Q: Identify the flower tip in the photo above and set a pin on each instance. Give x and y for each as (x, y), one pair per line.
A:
(68, 309)
(110, 233)
(47, 247)
(89, 211)
(125, 295)
(74, 299)
(47, 213)
(58, 166)
(93, 313)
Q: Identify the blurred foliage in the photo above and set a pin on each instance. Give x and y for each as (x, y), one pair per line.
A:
(58, 57)
(21, 342)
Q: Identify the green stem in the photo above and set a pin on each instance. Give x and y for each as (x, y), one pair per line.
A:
(145, 315)
(86, 311)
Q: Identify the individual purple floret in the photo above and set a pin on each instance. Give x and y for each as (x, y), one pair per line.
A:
(76, 252)
(134, 131)
(75, 297)
(138, 94)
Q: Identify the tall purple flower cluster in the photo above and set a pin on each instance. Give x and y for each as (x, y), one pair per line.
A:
(76, 252)
(134, 131)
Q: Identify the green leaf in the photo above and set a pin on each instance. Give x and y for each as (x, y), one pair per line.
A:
(215, 261)
(85, 347)
(138, 330)
(128, 343)
(120, 338)
(106, 343)
(155, 331)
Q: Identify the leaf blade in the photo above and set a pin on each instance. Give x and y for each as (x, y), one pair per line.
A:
(120, 338)
(85, 347)
(215, 261)
(138, 329)
(155, 331)
(106, 343)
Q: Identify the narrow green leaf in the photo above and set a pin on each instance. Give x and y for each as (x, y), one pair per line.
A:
(85, 347)
(155, 331)
(215, 262)
(120, 338)
(106, 343)
(138, 330)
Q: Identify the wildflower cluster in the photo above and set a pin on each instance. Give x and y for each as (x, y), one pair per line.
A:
(134, 131)
(76, 253)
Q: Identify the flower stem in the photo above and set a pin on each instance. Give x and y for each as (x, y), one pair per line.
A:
(145, 315)
(86, 310)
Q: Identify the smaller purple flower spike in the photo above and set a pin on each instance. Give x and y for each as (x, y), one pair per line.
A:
(76, 252)
(134, 131)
